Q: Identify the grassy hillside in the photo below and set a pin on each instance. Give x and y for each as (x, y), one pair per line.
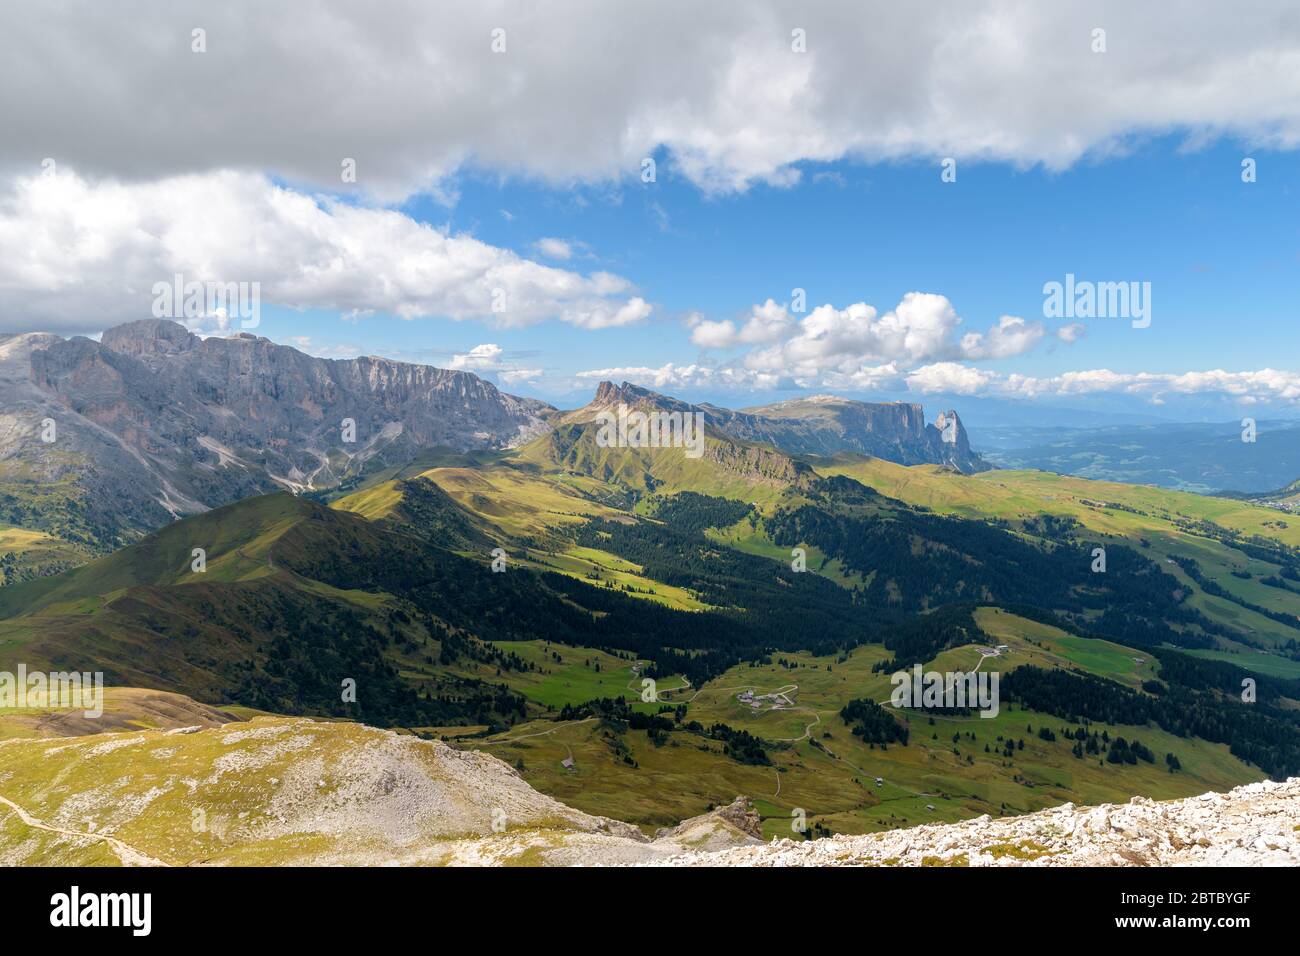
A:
(55, 501)
(124, 709)
(1236, 545)
(26, 554)
(287, 610)
(818, 765)
(726, 469)
(623, 566)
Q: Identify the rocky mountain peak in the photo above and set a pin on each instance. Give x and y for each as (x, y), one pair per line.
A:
(150, 340)
(155, 421)
(952, 433)
(607, 394)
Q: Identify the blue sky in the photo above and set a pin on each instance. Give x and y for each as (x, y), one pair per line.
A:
(1222, 256)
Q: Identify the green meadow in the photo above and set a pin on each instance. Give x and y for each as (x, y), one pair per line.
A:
(820, 767)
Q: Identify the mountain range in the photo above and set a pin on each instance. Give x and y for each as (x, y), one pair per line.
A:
(102, 441)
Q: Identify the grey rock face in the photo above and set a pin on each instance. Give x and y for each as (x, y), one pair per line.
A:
(823, 425)
(154, 421)
(894, 431)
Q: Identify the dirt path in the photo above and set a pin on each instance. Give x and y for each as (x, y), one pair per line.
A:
(541, 733)
(128, 854)
(807, 731)
(634, 686)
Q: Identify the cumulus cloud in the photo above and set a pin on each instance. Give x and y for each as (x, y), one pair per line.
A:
(485, 357)
(714, 335)
(412, 91)
(767, 323)
(858, 341)
(875, 378)
(489, 360)
(78, 255)
(1010, 336)
(950, 377)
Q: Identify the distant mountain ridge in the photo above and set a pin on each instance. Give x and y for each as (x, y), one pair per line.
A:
(824, 425)
(895, 431)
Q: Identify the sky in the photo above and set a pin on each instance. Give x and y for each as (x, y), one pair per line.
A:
(862, 199)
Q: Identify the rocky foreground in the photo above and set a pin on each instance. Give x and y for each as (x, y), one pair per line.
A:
(276, 791)
(291, 791)
(1254, 825)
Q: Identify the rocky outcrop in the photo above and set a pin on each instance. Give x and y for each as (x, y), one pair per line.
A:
(894, 431)
(735, 824)
(1254, 825)
(309, 793)
(820, 425)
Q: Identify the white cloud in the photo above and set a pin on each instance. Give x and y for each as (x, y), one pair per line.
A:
(412, 91)
(714, 335)
(78, 255)
(877, 378)
(950, 377)
(518, 376)
(218, 323)
(605, 316)
(489, 360)
(683, 376)
(1011, 336)
(485, 357)
(830, 342)
(767, 323)
(553, 248)
(1247, 387)
(1071, 333)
